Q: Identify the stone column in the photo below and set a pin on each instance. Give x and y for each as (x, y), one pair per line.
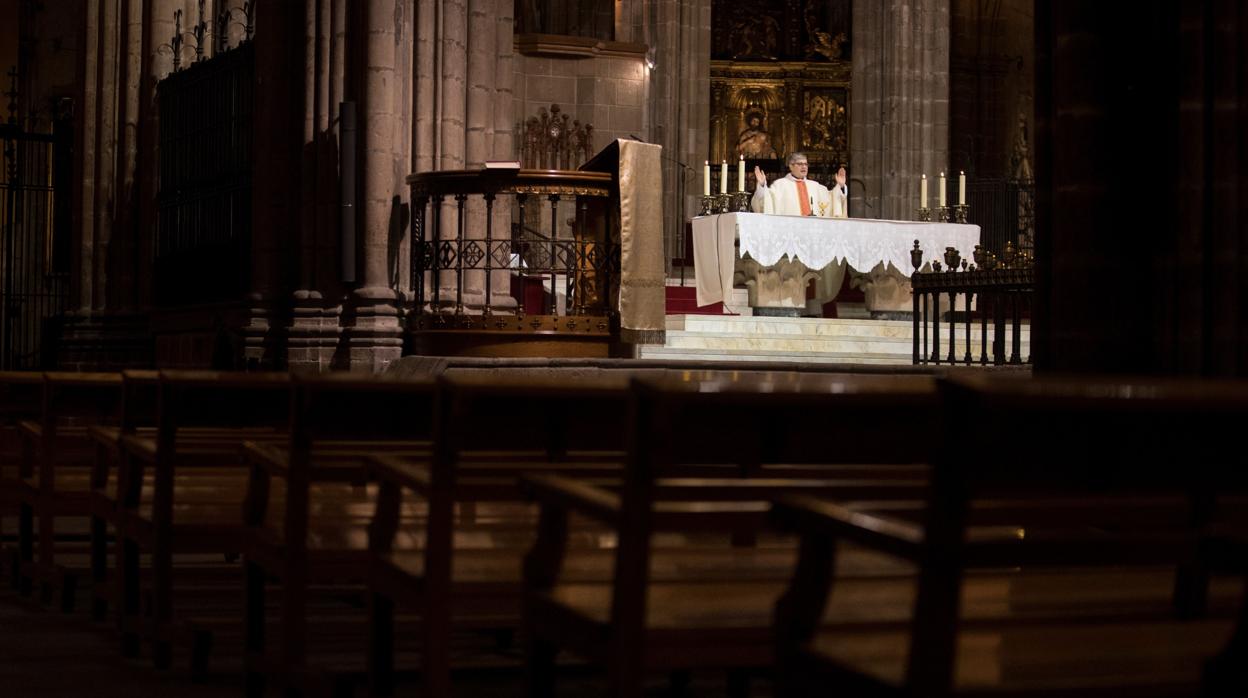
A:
(679, 98)
(274, 171)
(85, 143)
(374, 335)
(314, 334)
(464, 116)
(899, 110)
(1139, 178)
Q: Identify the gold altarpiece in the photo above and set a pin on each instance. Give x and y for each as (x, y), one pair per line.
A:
(768, 110)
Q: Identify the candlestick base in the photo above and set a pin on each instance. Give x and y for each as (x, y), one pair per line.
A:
(708, 205)
(741, 201)
(925, 214)
(943, 214)
(960, 212)
(724, 204)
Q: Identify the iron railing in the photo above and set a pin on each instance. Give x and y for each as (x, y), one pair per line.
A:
(998, 295)
(34, 242)
(202, 245)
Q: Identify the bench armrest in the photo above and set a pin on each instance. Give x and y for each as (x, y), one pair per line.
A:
(401, 472)
(572, 496)
(808, 515)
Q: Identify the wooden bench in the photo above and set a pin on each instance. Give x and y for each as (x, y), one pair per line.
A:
(181, 486)
(490, 432)
(21, 398)
(57, 465)
(833, 431)
(315, 533)
(138, 416)
(1094, 452)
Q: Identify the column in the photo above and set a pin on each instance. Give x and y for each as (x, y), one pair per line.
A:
(899, 102)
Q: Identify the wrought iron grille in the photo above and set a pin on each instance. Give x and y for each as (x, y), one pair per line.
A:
(34, 243)
(203, 238)
(1004, 210)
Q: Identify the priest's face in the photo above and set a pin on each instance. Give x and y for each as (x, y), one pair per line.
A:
(799, 168)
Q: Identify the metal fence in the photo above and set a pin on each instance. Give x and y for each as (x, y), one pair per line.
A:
(34, 242)
(203, 236)
(1004, 210)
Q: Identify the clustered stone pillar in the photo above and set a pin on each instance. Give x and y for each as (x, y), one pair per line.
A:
(1140, 235)
(899, 102)
(374, 328)
(680, 106)
(464, 117)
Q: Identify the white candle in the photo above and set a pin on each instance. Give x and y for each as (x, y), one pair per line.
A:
(723, 176)
(706, 179)
(923, 192)
(741, 174)
(961, 188)
(940, 190)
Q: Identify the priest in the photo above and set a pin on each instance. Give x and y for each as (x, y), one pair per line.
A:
(794, 194)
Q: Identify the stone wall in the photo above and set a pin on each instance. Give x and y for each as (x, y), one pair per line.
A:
(608, 91)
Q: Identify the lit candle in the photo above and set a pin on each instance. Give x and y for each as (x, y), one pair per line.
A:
(961, 188)
(706, 179)
(940, 190)
(741, 174)
(723, 176)
(923, 192)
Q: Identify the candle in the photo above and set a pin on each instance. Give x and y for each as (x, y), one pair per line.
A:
(940, 190)
(741, 174)
(961, 188)
(706, 178)
(723, 176)
(923, 192)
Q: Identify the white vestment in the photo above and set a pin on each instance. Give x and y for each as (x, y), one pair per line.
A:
(781, 198)
(840, 201)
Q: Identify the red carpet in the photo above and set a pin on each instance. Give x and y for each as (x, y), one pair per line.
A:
(683, 300)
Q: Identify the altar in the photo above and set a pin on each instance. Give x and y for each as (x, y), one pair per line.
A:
(778, 256)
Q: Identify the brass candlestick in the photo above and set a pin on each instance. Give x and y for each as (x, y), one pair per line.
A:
(942, 214)
(741, 201)
(925, 214)
(708, 205)
(725, 203)
(960, 212)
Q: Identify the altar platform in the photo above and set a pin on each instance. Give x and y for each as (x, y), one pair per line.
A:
(852, 339)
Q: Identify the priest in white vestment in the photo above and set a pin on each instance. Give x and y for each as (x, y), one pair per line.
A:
(792, 195)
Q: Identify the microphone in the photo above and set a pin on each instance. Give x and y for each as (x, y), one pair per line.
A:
(666, 158)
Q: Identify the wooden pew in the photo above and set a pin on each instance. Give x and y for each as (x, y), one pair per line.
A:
(21, 398)
(315, 533)
(181, 487)
(138, 416)
(1102, 450)
(489, 432)
(57, 460)
(818, 426)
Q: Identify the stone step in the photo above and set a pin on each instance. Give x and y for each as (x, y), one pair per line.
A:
(815, 327)
(695, 354)
(797, 343)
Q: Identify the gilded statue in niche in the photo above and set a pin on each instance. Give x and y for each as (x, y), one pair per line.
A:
(754, 142)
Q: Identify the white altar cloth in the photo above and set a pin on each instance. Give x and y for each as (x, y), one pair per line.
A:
(815, 241)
